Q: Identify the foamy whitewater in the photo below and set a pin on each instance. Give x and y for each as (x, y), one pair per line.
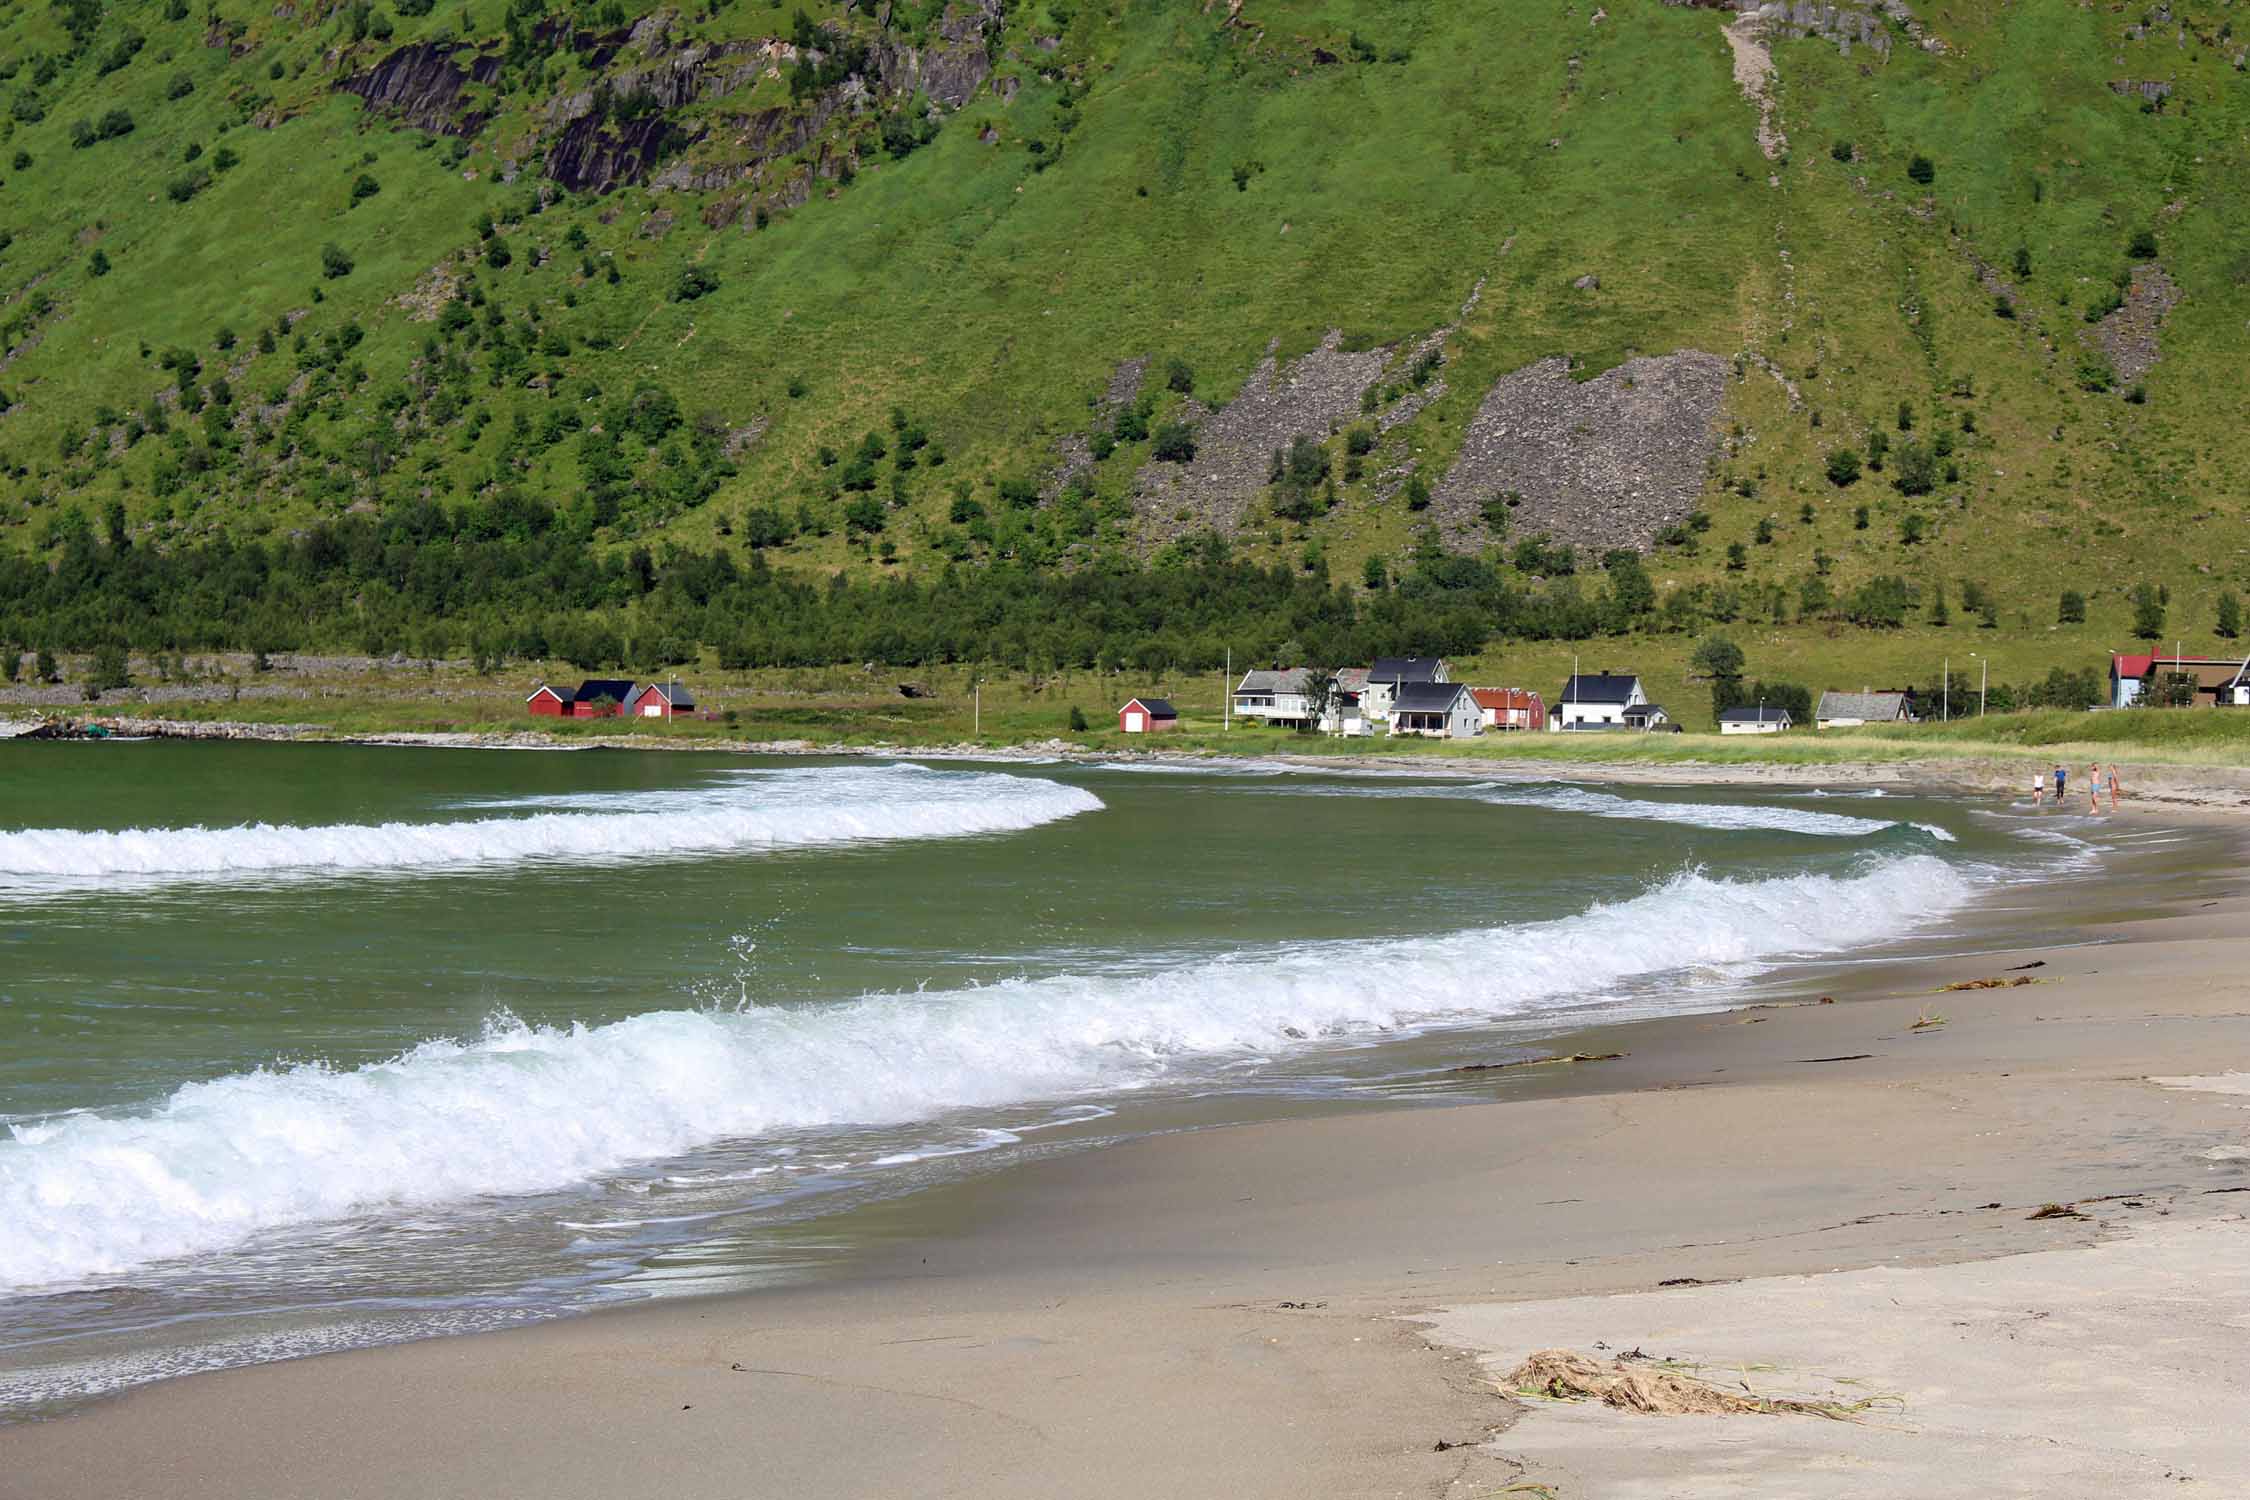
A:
(1722, 815)
(523, 1109)
(741, 811)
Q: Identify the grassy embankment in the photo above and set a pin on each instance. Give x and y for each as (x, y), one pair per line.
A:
(855, 706)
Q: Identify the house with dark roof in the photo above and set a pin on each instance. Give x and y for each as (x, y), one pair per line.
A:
(601, 698)
(1850, 710)
(1389, 673)
(1757, 720)
(660, 700)
(1147, 716)
(1597, 700)
(1436, 710)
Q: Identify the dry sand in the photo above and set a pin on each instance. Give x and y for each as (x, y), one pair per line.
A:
(1314, 1306)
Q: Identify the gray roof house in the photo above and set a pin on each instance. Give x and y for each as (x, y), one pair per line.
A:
(1276, 696)
(1440, 710)
(1848, 710)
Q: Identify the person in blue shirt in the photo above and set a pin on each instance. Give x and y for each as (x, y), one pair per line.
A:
(2060, 776)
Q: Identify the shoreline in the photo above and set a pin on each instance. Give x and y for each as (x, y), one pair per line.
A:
(1322, 1279)
(2167, 785)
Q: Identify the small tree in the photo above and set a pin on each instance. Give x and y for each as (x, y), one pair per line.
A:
(97, 264)
(43, 667)
(1175, 443)
(2148, 613)
(2230, 615)
(1922, 170)
(1320, 691)
(2070, 609)
(334, 263)
(1843, 468)
(1078, 723)
(1179, 376)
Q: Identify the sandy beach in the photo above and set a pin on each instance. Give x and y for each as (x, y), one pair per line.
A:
(1846, 1202)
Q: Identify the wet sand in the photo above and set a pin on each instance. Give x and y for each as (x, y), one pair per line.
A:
(1313, 1306)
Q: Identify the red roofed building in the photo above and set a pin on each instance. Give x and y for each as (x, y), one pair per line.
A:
(1510, 708)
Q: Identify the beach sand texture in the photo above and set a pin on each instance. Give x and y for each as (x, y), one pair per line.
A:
(1324, 1306)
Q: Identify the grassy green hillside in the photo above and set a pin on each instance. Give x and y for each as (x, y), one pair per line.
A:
(859, 304)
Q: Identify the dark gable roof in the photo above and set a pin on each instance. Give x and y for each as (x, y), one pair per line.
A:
(1403, 669)
(673, 693)
(1426, 697)
(616, 689)
(1598, 687)
(1644, 710)
(1158, 708)
(1755, 716)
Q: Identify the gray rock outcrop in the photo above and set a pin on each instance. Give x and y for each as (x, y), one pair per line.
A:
(1607, 462)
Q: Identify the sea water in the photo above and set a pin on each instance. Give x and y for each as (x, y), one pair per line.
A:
(302, 1048)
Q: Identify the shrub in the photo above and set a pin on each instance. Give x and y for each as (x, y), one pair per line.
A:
(1880, 603)
(223, 159)
(365, 187)
(1179, 376)
(1916, 470)
(2095, 374)
(1175, 443)
(694, 282)
(1913, 528)
(97, 264)
(2148, 613)
(2002, 307)
(497, 254)
(1078, 724)
(2070, 609)
(334, 263)
(1859, 518)
(1842, 151)
(1922, 170)
(2143, 245)
(180, 87)
(2230, 615)
(1843, 468)
(1738, 557)
(1359, 441)
(1763, 536)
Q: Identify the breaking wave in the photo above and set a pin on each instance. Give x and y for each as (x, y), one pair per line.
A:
(736, 812)
(525, 1108)
(1723, 815)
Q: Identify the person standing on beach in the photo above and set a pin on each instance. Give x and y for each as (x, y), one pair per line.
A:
(2113, 788)
(2060, 775)
(2038, 788)
(2094, 788)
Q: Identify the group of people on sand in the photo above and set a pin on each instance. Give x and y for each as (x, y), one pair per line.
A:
(2099, 778)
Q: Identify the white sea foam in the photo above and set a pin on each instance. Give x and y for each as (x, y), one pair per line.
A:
(830, 805)
(528, 1108)
(1722, 815)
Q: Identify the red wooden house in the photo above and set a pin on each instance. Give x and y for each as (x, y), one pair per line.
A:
(660, 700)
(548, 703)
(1147, 716)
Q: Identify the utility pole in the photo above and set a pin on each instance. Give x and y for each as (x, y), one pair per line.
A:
(1226, 695)
(976, 700)
(1945, 710)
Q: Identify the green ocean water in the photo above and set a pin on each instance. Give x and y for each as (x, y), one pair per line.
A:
(302, 1047)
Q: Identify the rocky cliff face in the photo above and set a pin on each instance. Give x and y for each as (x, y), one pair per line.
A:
(626, 128)
(421, 85)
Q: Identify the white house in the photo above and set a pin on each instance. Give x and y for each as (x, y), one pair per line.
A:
(1347, 712)
(1850, 710)
(1275, 697)
(1598, 700)
(1437, 710)
(1759, 720)
(1389, 673)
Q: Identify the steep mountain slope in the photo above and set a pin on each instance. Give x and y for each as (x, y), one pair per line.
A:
(884, 287)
